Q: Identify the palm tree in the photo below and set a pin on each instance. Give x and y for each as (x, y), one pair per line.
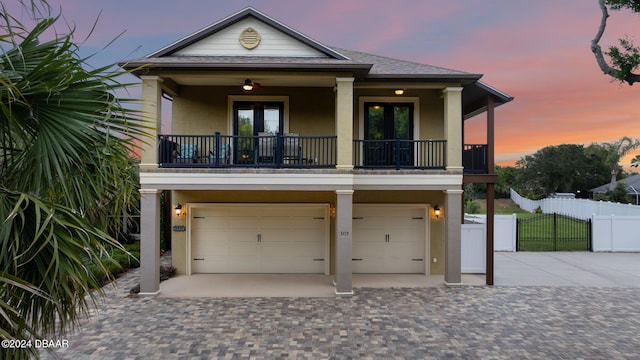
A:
(615, 152)
(67, 178)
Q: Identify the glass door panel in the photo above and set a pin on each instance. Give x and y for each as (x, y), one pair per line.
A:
(244, 145)
(386, 125)
(271, 119)
(256, 125)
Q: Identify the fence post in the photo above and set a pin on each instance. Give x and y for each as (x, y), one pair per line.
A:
(590, 234)
(555, 230)
(517, 234)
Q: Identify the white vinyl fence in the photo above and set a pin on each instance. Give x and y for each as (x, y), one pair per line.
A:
(578, 208)
(610, 233)
(615, 227)
(616, 233)
(473, 247)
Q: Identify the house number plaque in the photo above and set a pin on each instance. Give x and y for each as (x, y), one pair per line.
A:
(179, 228)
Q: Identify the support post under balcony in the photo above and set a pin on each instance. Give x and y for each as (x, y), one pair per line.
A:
(453, 126)
(151, 110)
(344, 122)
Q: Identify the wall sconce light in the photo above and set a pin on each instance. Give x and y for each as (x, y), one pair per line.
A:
(178, 210)
(436, 211)
(248, 85)
(332, 211)
(398, 91)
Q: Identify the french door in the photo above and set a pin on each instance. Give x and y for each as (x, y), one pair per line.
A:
(255, 127)
(388, 129)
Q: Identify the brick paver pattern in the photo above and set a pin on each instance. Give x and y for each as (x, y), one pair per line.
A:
(428, 323)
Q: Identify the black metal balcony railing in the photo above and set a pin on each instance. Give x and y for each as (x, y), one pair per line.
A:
(294, 151)
(218, 150)
(475, 158)
(400, 154)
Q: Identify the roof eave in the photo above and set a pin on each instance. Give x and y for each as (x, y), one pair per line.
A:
(139, 68)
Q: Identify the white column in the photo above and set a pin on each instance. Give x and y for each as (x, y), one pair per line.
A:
(344, 216)
(344, 122)
(149, 241)
(453, 126)
(151, 110)
(453, 237)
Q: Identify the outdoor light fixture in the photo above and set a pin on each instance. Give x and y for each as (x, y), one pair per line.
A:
(178, 210)
(248, 85)
(399, 91)
(436, 211)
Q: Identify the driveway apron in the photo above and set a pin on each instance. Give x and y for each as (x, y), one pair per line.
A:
(479, 322)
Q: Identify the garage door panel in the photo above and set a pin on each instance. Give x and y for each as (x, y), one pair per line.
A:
(259, 239)
(365, 266)
(276, 250)
(307, 223)
(275, 223)
(200, 266)
(242, 223)
(388, 239)
(242, 266)
(403, 267)
(308, 266)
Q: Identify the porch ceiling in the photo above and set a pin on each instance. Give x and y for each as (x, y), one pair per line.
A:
(263, 79)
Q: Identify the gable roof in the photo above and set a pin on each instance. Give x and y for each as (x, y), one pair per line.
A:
(364, 67)
(241, 15)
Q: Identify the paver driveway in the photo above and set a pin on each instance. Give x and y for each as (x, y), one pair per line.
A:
(476, 322)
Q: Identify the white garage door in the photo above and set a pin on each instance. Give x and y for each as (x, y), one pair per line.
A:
(259, 238)
(388, 239)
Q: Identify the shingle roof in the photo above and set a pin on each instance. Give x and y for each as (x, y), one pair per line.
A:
(388, 66)
(631, 183)
(375, 66)
(363, 66)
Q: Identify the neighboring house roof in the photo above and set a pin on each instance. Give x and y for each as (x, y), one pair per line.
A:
(632, 184)
(365, 67)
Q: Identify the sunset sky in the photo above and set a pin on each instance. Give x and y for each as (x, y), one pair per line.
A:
(537, 51)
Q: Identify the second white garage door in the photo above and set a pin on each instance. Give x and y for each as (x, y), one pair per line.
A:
(389, 239)
(259, 238)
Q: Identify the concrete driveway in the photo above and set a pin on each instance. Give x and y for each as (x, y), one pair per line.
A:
(588, 314)
(567, 269)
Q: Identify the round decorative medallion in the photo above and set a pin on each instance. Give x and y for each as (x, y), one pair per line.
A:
(249, 38)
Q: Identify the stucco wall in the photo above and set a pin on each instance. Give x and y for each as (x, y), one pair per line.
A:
(436, 226)
(204, 110)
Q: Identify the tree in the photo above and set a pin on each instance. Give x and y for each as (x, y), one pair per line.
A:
(67, 178)
(506, 180)
(561, 168)
(624, 60)
(611, 153)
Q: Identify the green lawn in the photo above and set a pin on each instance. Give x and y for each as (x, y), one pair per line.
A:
(501, 206)
(538, 235)
(538, 232)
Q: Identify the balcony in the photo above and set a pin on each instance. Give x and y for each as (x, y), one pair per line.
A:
(308, 152)
(475, 158)
(267, 151)
(400, 154)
